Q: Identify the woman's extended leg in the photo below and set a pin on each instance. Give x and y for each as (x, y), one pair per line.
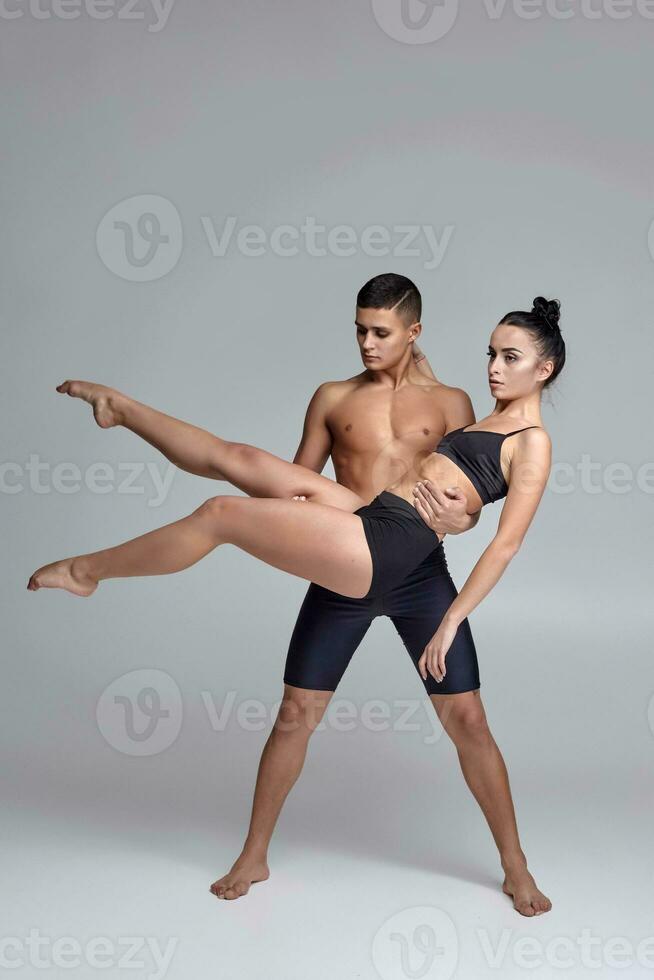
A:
(255, 471)
(316, 542)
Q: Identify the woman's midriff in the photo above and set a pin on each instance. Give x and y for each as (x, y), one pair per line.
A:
(443, 473)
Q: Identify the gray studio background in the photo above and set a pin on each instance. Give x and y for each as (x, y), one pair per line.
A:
(526, 137)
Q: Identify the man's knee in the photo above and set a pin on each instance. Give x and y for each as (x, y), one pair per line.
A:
(464, 719)
(470, 725)
(300, 712)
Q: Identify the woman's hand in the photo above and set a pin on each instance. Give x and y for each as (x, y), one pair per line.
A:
(433, 657)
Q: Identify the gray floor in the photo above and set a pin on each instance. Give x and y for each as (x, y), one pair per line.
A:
(382, 864)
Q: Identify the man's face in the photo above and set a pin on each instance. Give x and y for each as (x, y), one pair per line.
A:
(383, 337)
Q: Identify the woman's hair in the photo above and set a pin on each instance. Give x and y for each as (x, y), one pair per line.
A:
(543, 322)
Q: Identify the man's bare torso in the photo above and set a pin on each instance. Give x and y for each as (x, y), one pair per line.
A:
(380, 434)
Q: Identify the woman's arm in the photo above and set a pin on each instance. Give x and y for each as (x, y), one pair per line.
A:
(530, 467)
(421, 362)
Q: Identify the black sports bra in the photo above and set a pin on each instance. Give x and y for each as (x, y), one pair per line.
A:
(477, 453)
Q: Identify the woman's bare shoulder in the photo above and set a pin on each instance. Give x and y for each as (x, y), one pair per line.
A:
(534, 439)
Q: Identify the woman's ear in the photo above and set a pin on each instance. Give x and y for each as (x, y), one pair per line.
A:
(545, 370)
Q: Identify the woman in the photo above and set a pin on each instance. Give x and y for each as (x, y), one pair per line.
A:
(337, 541)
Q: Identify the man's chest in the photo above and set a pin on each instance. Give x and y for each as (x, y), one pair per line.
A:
(371, 420)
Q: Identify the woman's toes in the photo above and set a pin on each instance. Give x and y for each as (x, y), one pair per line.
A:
(237, 890)
(62, 575)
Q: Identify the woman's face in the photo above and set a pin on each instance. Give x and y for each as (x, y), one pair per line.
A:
(515, 367)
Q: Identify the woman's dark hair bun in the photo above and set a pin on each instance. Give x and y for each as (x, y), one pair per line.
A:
(549, 310)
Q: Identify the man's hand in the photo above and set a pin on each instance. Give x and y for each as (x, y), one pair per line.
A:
(443, 510)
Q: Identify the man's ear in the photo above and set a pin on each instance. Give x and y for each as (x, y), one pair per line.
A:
(414, 331)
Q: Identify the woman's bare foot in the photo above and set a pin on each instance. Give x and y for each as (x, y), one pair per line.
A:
(237, 882)
(68, 574)
(106, 402)
(527, 897)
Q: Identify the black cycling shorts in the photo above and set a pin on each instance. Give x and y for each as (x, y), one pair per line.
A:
(330, 627)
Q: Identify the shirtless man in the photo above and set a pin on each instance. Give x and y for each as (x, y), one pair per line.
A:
(373, 425)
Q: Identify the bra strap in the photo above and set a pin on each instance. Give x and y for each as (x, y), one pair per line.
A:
(515, 431)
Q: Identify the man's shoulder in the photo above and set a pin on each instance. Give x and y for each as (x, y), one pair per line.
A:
(333, 390)
(330, 394)
(453, 398)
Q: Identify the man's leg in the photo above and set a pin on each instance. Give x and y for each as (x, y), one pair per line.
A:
(464, 719)
(328, 630)
(416, 608)
(281, 763)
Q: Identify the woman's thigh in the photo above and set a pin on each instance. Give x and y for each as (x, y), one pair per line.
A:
(313, 541)
(262, 474)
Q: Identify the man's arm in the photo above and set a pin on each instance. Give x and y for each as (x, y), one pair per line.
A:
(316, 442)
(447, 507)
(459, 412)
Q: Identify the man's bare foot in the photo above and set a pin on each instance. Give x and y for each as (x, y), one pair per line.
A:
(67, 574)
(527, 897)
(105, 401)
(243, 874)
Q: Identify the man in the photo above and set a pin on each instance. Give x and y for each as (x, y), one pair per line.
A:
(373, 425)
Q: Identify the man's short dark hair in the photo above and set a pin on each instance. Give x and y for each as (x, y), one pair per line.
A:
(392, 292)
